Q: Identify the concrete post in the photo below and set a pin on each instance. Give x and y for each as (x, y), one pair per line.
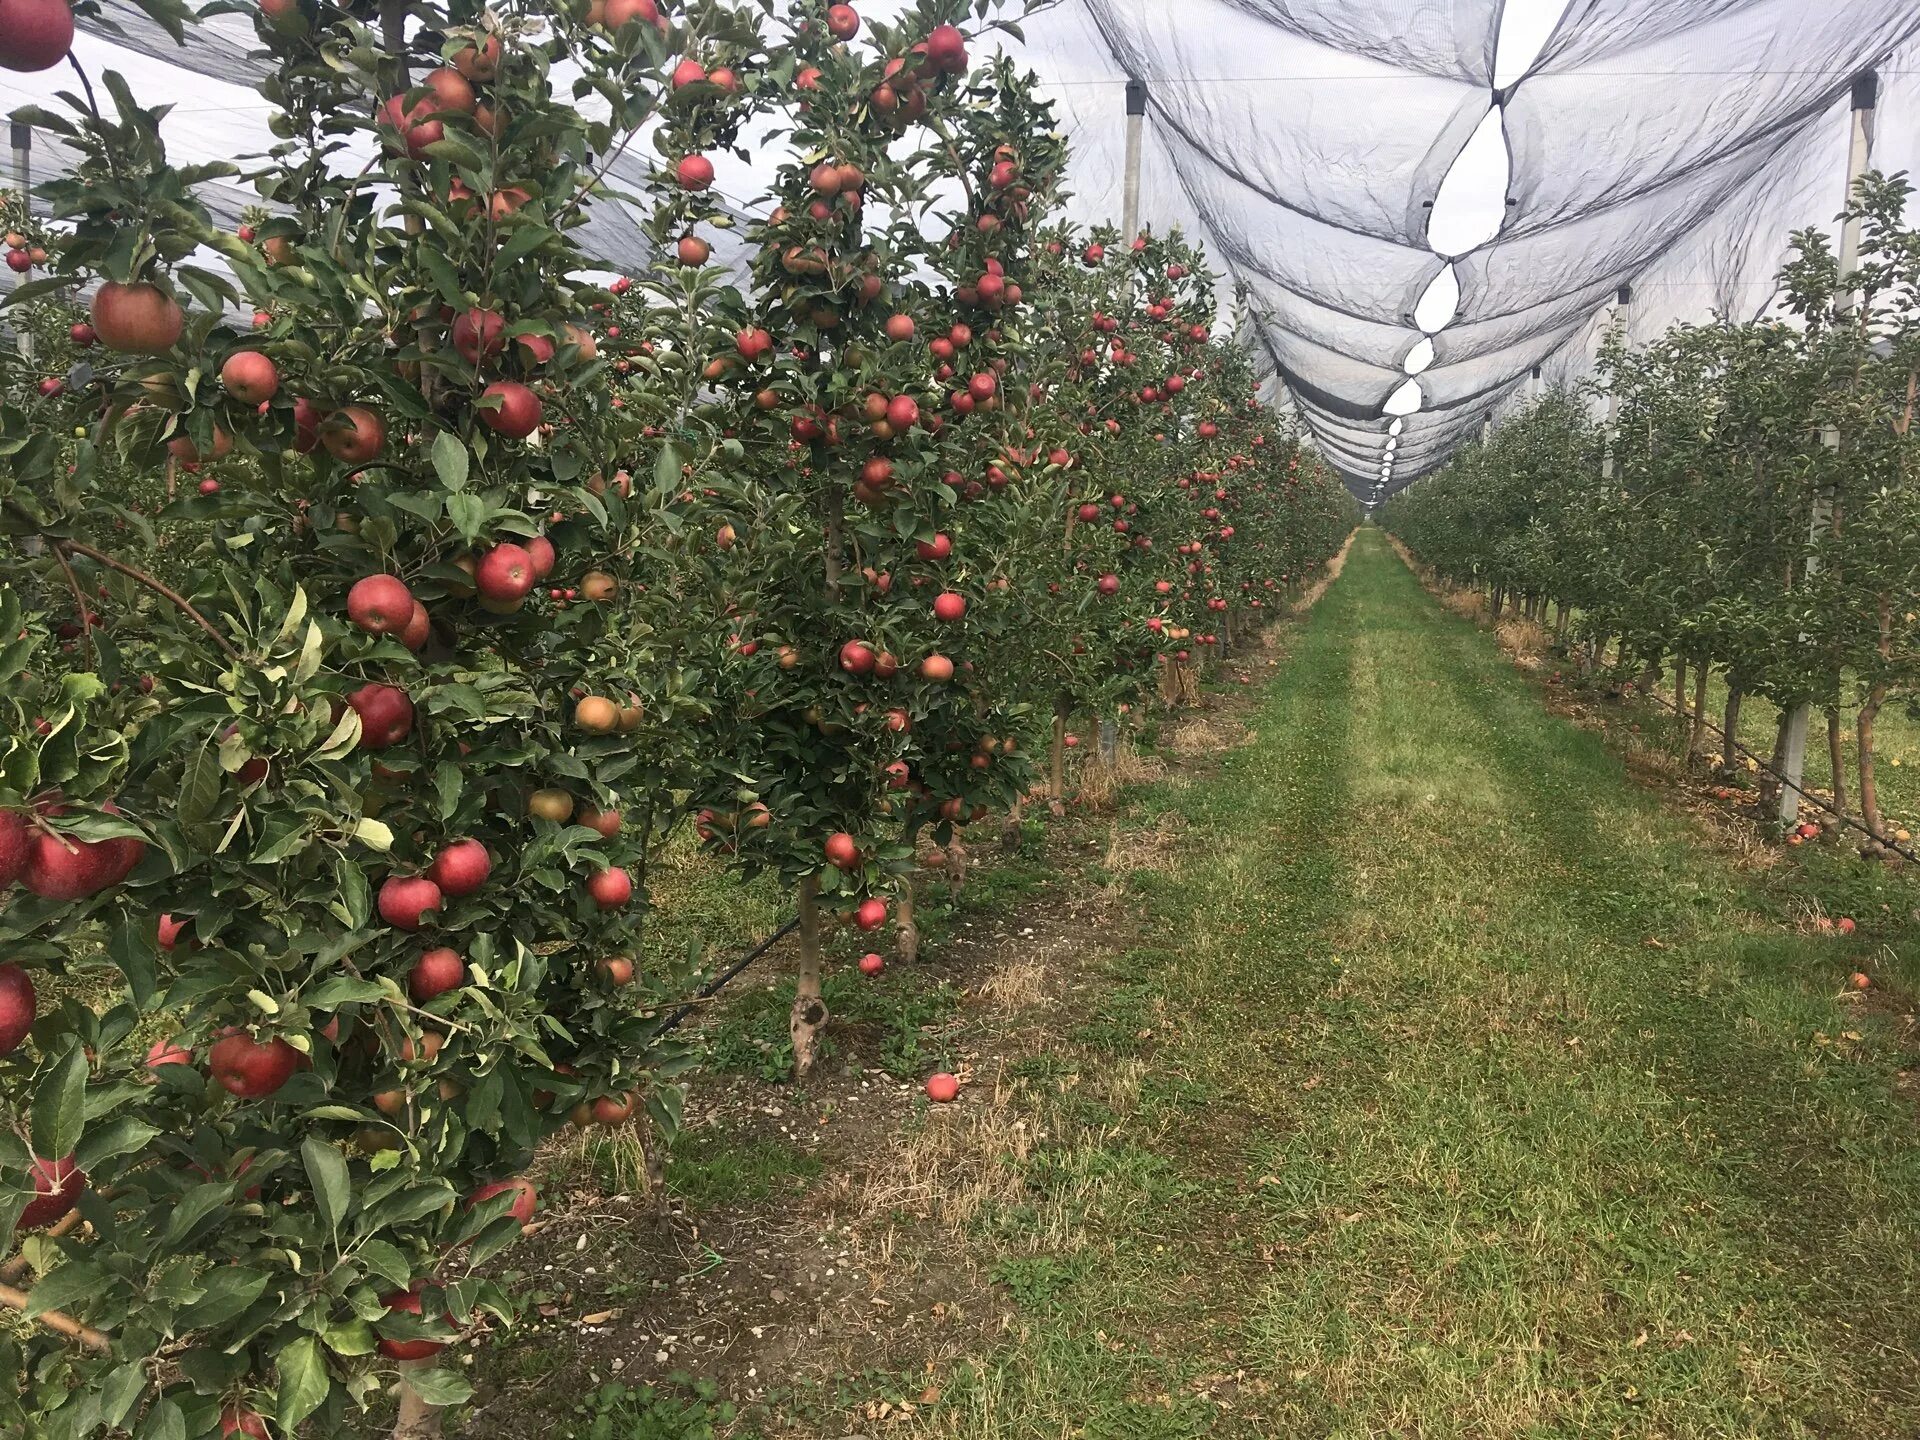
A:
(1866, 95)
(1130, 188)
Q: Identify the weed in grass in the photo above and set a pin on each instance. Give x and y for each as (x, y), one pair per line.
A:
(678, 1409)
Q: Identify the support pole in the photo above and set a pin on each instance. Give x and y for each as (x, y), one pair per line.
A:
(23, 182)
(1866, 94)
(1130, 190)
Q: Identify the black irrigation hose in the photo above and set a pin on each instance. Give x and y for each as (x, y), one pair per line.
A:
(718, 982)
(1801, 791)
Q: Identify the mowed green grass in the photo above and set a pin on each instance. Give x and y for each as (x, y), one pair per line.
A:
(1476, 1098)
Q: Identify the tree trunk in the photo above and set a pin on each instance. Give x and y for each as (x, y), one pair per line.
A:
(1869, 784)
(1697, 722)
(1680, 685)
(1011, 828)
(906, 925)
(1057, 761)
(1730, 726)
(1649, 675)
(809, 1016)
(1498, 596)
(417, 1420)
(1837, 760)
(1109, 739)
(1770, 784)
(956, 867)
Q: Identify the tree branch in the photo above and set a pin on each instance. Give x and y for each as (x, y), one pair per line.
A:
(94, 1340)
(158, 588)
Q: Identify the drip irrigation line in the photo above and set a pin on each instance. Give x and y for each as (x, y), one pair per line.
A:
(1800, 790)
(718, 982)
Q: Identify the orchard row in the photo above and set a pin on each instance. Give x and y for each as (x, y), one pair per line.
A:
(380, 598)
(1749, 509)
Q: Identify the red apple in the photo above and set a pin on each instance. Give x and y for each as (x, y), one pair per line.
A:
(137, 318)
(949, 606)
(251, 1068)
(857, 658)
(436, 972)
(942, 1088)
(408, 1302)
(354, 435)
(167, 1052)
(380, 604)
(57, 1186)
(505, 573)
(18, 1007)
(235, 1421)
(872, 964)
(938, 548)
(695, 172)
(518, 413)
(461, 868)
(406, 899)
(476, 335)
(15, 841)
(386, 715)
(870, 914)
(250, 377)
(610, 888)
(842, 851)
(525, 1197)
(34, 34)
(937, 668)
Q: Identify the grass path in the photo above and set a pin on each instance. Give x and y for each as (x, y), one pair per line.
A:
(1460, 1092)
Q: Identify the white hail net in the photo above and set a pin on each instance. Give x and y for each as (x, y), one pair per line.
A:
(1354, 165)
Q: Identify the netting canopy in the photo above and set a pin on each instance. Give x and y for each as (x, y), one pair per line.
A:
(1430, 208)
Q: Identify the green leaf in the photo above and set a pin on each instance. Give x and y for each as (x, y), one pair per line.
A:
(439, 1386)
(468, 513)
(450, 460)
(135, 948)
(117, 1137)
(229, 1291)
(163, 1422)
(356, 896)
(200, 787)
(67, 1287)
(59, 1107)
(327, 1169)
(304, 1383)
(374, 833)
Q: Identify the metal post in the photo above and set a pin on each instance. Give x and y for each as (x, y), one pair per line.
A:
(23, 182)
(1866, 95)
(1130, 189)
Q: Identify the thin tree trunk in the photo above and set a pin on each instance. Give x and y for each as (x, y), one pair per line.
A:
(1057, 761)
(1730, 725)
(906, 924)
(1836, 759)
(1869, 783)
(1498, 596)
(1680, 684)
(809, 1015)
(1876, 697)
(417, 1420)
(1697, 721)
(1770, 784)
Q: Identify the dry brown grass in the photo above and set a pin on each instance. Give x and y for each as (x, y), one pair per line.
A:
(1139, 848)
(1017, 985)
(1200, 735)
(1525, 640)
(1319, 587)
(1101, 781)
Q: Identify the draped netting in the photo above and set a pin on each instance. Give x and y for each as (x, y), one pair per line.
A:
(1352, 165)
(1665, 146)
